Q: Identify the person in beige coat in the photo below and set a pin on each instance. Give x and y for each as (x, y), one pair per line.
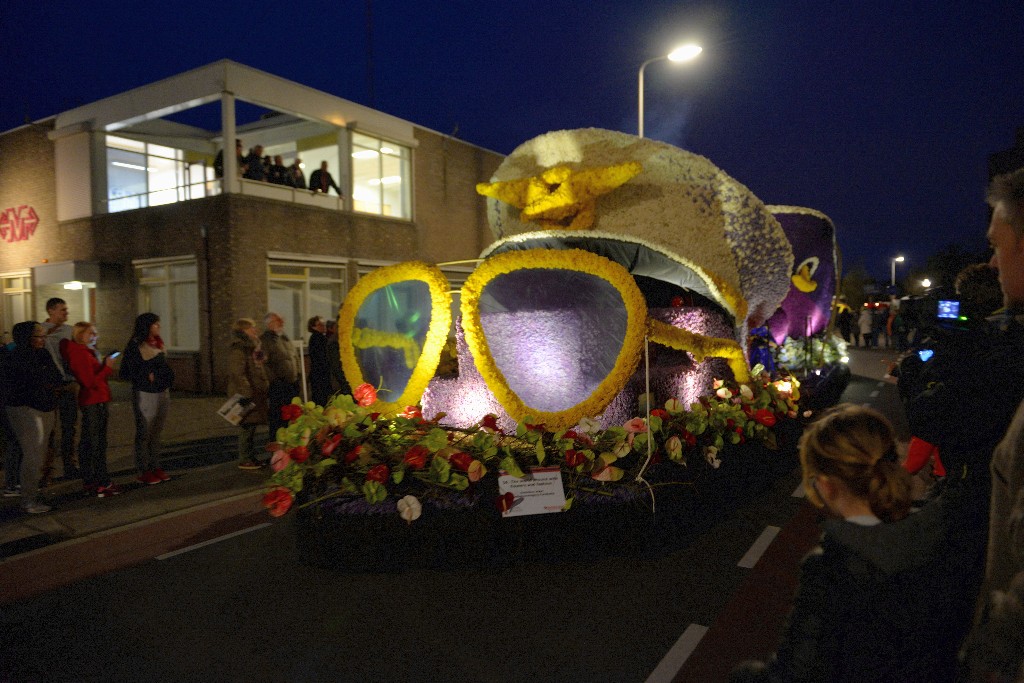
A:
(247, 377)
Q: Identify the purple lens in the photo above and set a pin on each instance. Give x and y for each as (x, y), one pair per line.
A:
(554, 334)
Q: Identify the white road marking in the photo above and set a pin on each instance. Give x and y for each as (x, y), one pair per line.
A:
(673, 661)
(760, 545)
(190, 548)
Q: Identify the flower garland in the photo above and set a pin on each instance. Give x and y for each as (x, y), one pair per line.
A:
(700, 346)
(572, 259)
(365, 338)
(348, 449)
(437, 333)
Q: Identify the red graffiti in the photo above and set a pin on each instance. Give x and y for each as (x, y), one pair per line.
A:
(18, 224)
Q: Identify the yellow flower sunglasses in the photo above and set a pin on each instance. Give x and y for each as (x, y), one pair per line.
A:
(555, 334)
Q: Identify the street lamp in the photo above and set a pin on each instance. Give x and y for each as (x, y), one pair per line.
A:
(926, 283)
(898, 259)
(684, 53)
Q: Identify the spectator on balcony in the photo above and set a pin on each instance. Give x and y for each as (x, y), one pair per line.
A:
(321, 181)
(278, 172)
(254, 164)
(218, 163)
(296, 178)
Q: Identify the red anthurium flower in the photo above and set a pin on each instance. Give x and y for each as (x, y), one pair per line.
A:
(365, 394)
(504, 502)
(535, 428)
(412, 413)
(291, 412)
(574, 458)
(490, 422)
(677, 302)
(374, 416)
(278, 501)
(279, 461)
(299, 454)
(689, 438)
(461, 461)
(658, 412)
(353, 454)
(765, 417)
(379, 474)
(330, 444)
(416, 457)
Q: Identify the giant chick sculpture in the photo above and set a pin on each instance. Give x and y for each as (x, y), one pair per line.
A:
(624, 270)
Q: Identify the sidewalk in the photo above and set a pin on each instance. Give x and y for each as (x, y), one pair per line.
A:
(199, 453)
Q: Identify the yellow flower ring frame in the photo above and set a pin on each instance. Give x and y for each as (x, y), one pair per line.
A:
(349, 337)
(638, 326)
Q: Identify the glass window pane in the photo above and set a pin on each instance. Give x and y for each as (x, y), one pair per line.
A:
(324, 300)
(126, 175)
(155, 298)
(125, 143)
(151, 272)
(183, 271)
(277, 270)
(326, 273)
(286, 300)
(185, 320)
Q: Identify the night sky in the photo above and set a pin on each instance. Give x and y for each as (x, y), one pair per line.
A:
(881, 115)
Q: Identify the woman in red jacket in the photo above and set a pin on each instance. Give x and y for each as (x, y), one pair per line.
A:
(80, 355)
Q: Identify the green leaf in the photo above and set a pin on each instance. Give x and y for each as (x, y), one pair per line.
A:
(459, 482)
(568, 504)
(374, 492)
(654, 424)
(347, 486)
(397, 475)
(320, 467)
(509, 464)
(440, 469)
(541, 454)
(435, 439)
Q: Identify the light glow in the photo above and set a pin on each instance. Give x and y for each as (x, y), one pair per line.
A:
(685, 53)
(75, 284)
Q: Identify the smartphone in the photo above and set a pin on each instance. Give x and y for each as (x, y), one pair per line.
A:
(115, 354)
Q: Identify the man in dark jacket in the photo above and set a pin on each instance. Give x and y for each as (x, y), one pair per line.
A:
(321, 181)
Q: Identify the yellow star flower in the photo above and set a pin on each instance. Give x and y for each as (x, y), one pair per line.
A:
(561, 198)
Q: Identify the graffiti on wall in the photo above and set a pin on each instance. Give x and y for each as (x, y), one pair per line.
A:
(17, 224)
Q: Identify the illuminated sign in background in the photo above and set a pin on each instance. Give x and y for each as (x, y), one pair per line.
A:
(17, 224)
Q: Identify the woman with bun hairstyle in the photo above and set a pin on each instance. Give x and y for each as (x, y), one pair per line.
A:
(144, 364)
(879, 598)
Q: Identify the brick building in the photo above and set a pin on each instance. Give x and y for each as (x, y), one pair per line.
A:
(118, 208)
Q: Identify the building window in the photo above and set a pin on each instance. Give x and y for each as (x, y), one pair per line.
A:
(381, 177)
(299, 290)
(16, 301)
(141, 174)
(170, 289)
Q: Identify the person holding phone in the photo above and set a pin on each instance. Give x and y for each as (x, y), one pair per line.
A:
(91, 374)
(144, 364)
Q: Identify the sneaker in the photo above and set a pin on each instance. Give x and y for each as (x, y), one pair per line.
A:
(37, 508)
(250, 465)
(149, 478)
(108, 491)
(12, 493)
(163, 476)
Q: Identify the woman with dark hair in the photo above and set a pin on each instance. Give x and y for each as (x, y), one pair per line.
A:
(144, 364)
(880, 598)
(30, 383)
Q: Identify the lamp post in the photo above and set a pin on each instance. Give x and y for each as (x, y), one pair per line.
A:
(898, 259)
(681, 54)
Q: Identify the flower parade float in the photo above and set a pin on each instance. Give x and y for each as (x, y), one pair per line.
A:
(801, 329)
(603, 400)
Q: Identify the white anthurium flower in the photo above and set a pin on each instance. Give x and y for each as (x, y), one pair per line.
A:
(711, 454)
(409, 509)
(746, 392)
(589, 425)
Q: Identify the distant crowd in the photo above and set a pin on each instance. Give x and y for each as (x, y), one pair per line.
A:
(256, 166)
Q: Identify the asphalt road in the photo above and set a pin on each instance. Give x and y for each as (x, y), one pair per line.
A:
(228, 599)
